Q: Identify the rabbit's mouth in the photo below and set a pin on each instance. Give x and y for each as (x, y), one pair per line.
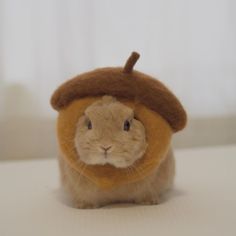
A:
(116, 161)
(109, 156)
(108, 159)
(106, 155)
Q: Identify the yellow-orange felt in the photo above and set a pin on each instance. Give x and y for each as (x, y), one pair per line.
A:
(158, 134)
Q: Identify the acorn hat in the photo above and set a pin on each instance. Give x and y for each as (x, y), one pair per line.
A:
(154, 105)
(123, 82)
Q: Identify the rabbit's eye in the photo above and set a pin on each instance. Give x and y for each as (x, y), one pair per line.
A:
(126, 125)
(89, 124)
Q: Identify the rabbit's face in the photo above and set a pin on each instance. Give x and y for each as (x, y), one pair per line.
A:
(108, 133)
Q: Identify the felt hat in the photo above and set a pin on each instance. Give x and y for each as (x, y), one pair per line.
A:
(123, 82)
(154, 105)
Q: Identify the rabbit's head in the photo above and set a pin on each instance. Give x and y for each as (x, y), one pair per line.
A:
(108, 133)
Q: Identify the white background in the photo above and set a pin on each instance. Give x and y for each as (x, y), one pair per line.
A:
(187, 44)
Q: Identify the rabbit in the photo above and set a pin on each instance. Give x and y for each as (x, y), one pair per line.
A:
(109, 133)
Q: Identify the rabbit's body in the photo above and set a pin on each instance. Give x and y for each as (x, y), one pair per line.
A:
(86, 194)
(109, 133)
(114, 130)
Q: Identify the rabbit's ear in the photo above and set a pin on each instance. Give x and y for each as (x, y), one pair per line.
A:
(108, 99)
(128, 68)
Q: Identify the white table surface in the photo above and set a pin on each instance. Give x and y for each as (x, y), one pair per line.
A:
(203, 202)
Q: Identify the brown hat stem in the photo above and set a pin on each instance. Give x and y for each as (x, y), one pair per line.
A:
(128, 68)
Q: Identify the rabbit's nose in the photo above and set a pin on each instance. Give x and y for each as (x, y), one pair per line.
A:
(105, 148)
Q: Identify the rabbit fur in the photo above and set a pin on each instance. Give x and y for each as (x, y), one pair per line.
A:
(100, 139)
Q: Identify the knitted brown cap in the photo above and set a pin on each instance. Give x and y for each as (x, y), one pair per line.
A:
(123, 83)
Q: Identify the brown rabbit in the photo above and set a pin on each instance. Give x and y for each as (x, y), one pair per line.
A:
(108, 133)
